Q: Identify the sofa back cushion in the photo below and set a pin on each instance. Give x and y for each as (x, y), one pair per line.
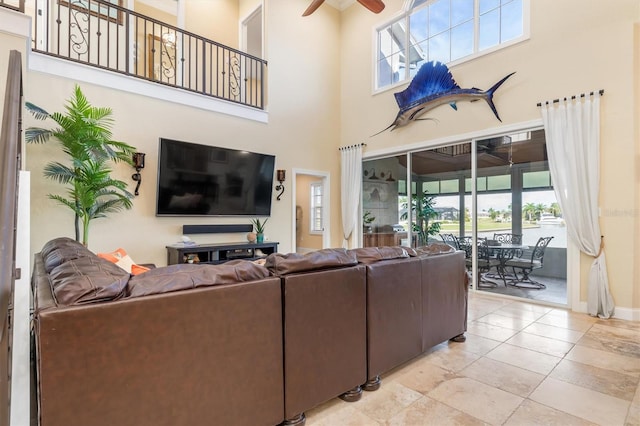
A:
(434, 248)
(87, 279)
(60, 250)
(186, 276)
(283, 264)
(369, 255)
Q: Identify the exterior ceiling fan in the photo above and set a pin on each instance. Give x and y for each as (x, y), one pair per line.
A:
(376, 6)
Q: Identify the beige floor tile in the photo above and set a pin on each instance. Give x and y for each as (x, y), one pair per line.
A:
(603, 359)
(428, 412)
(504, 321)
(553, 332)
(604, 381)
(514, 312)
(386, 402)
(343, 416)
(531, 307)
(477, 344)
(422, 377)
(503, 376)
(581, 402)
(489, 331)
(524, 358)
(633, 416)
(612, 339)
(614, 322)
(570, 321)
(477, 399)
(452, 359)
(324, 410)
(565, 313)
(541, 344)
(530, 413)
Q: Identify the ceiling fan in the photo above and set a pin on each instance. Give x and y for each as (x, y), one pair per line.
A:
(376, 6)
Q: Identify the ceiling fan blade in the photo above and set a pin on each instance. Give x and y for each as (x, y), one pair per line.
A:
(376, 6)
(312, 7)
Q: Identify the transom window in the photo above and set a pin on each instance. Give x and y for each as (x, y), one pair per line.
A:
(445, 31)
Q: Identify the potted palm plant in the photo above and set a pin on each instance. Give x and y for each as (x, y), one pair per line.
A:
(84, 134)
(259, 228)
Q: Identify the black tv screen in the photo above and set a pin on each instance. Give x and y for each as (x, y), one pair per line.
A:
(202, 180)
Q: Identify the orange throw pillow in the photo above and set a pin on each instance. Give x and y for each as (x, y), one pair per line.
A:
(123, 260)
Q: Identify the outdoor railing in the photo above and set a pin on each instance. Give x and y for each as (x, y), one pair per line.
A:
(105, 35)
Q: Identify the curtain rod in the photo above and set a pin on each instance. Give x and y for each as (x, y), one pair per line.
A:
(351, 146)
(555, 101)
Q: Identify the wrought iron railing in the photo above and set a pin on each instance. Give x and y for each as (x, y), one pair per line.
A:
(105, 35)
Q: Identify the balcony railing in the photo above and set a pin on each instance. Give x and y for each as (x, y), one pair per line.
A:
(105, 35)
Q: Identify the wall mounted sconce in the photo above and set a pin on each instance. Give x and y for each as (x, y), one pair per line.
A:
(280, 176)
(371, 175)
(138, 163)
(389, 177)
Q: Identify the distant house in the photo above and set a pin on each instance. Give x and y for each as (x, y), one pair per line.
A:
(447, 213)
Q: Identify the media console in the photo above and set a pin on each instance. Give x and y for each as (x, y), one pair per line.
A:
(218, 253)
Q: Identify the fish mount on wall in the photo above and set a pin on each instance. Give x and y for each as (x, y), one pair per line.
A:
(433, 86)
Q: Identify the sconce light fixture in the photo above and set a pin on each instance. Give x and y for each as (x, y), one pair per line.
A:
(389, 177)
(280, 176)
(371, 175)
(138, 163)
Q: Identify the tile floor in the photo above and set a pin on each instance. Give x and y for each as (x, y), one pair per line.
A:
(522, 364)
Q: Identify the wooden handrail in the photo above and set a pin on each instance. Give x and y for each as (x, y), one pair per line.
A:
(10, 159)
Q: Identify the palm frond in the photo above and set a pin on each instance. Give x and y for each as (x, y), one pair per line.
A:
(65, 202)
(59, 172)
(37, 135)
(36, 111)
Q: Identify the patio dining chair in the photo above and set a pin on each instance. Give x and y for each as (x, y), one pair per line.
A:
(507, 238)
(486, 263)
(451, 240)
(525, 265)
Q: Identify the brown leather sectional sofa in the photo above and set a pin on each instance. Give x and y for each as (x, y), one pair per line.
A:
(232, 344)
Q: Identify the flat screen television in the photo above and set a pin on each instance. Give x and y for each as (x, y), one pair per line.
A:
(203, 180)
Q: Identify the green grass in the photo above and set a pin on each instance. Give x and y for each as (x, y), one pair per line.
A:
(484, 224)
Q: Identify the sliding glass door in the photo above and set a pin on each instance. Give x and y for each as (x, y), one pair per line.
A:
(519, 245)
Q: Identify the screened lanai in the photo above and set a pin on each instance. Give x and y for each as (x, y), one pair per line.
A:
(512, 198)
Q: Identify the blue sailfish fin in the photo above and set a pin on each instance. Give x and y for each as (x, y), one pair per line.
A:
(454, 106)
(432, 78)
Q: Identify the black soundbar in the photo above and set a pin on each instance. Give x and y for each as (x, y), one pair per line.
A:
(216, 229)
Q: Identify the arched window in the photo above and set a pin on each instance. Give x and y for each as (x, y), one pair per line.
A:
(446, 31)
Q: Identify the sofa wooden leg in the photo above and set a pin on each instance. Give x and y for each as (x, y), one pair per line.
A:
(298, 420)
(352, 395)
(372, 384)
(459, 338)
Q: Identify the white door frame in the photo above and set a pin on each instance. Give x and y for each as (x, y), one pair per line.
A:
(326, 197)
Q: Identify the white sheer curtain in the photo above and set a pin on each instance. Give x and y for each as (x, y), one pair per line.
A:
(350, 184)
(572, 129)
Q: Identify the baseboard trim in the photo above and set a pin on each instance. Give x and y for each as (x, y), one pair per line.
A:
(628, 314)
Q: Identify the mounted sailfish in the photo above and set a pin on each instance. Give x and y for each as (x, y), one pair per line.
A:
(433, 86)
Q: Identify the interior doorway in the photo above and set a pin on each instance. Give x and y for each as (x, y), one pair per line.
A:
(310, 209)
(251, 33)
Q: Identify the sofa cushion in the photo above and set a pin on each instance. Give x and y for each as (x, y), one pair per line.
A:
(60, 250)
(86, 280)
(186, 276)
(283, 264)
(369, 255)
(434, 248)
